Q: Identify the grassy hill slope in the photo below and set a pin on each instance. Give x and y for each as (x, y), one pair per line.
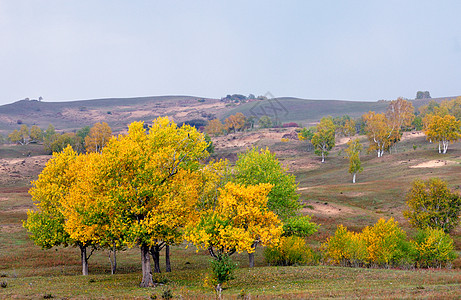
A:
(119, 112)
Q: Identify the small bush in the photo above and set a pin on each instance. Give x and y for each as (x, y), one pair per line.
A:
(434, 248)
(292, 250)
(345, 248)
(384, 244)
(48, 296)
(223, 269)
(291, 124)
(387, 243)
(3, 284)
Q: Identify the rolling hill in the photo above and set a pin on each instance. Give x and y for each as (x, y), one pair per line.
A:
(119, 112)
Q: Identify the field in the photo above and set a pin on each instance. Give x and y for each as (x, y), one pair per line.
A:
(328, 195)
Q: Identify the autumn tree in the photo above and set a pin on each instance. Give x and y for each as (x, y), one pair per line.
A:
(384, 130)
(20, 136)
(89, 215)
(98, 137)
(234, 122)
(353, 151)
(152, 179)
(47, 223)
(378, 132)
(214, 127)
(444, 130)
(324, 137)
(345, 126)
(35, 134)
(432, 204)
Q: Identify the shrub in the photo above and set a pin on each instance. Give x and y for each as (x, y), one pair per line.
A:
(432, 204)
(383, 244)
(434, 248)
(3, 284)
(291, 124)
(387, 243)
(292, 250)
(223, 269)
(345, 248)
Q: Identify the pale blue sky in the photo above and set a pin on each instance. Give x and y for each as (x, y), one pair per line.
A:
(354, 50)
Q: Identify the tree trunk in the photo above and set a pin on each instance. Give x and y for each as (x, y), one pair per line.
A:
(167, 258)
(155, 252)
(251, 256)
(218, 289)
(440, 151)
(84, 260)
(113, 264)
(353, 177)
(323, 157)
(146, 270)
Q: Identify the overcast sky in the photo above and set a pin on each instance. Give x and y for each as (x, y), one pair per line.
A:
(354, 50)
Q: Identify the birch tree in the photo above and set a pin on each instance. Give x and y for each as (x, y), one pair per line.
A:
(324, 138)
(353, 151)
(444, 130)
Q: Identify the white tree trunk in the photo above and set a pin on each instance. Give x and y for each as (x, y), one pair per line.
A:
(440, 151)
(445, 147)
(353, 177)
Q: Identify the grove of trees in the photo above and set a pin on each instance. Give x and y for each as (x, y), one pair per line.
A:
(151, 188)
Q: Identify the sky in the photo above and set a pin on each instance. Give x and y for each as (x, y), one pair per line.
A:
(64, 50)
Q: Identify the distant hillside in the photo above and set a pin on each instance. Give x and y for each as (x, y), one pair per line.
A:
(119, 112)
(305, 111)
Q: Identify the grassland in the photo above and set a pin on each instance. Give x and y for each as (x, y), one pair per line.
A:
(328, 195)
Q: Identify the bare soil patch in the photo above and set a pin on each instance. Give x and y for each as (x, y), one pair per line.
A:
(411, 135)
(434, 164)
(17, 169)
(328, 209)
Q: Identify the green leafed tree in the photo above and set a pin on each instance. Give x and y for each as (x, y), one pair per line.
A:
(261, 166)
(432, 204)
(353, 151)
(324, 138)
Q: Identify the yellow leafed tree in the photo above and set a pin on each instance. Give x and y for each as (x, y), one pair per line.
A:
(47, 223)
(444, 130)
(150, 178)
(239, 218)
(214, 127)
(98, 137)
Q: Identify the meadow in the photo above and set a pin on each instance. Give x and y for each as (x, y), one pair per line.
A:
(327, 193)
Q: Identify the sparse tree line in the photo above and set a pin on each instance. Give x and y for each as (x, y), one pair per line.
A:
(86, 139)
(440, 122)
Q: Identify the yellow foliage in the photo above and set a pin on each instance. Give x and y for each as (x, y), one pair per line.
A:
(98, 137)
(239, 218)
